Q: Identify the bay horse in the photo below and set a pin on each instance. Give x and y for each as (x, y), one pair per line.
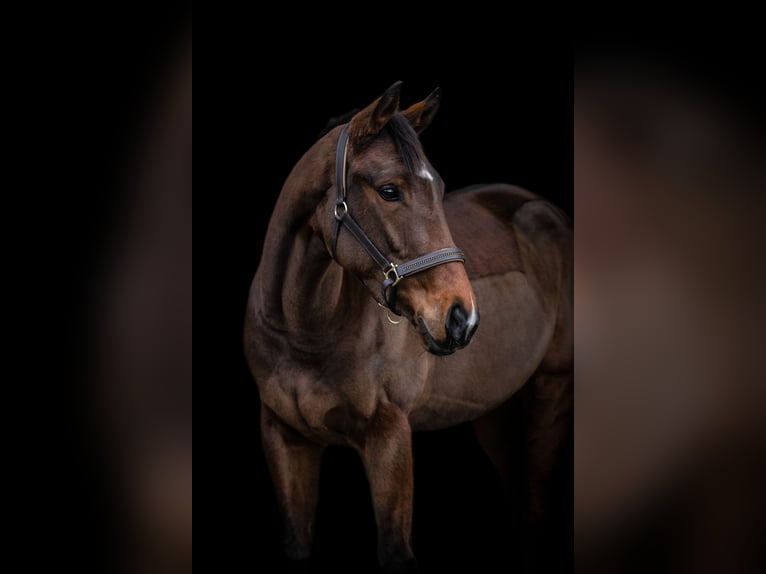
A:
(363, 238)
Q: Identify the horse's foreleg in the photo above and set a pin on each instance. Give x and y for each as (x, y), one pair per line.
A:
(294, 464)
(386, 452)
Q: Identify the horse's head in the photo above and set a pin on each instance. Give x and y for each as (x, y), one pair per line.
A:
(394, 196)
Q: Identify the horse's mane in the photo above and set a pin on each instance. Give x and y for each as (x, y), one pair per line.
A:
(333, 123)
(400, 131)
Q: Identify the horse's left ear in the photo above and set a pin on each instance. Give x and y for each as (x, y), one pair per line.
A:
(421, 114)
(374, 117)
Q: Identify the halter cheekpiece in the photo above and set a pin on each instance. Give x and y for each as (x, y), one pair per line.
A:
(392, 272)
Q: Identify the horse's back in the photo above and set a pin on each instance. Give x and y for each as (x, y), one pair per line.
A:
(492, 223)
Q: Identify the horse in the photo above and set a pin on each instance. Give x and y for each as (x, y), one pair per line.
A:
(361, 239)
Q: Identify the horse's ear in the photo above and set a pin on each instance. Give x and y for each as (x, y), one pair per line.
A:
(421, 114)
(374, 117)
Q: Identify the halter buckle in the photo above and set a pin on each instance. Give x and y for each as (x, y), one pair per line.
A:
(392, 269)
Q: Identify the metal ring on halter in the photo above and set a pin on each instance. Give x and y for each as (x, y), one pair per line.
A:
(388, 315)
(390, 320)
(341, 215)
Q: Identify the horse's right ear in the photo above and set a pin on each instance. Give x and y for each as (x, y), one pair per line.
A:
(374, 117)
(421, 114)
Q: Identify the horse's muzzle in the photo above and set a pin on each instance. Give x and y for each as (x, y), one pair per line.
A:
(459, 326)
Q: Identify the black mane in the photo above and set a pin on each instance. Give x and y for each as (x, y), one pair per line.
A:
(333, 123)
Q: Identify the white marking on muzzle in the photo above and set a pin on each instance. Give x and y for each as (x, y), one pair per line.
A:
(474, 316)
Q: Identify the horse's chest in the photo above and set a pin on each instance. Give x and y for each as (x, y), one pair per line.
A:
(334, 400)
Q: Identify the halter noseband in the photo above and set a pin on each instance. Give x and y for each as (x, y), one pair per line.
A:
(392, 273)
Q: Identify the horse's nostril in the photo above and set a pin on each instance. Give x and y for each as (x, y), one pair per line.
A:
(457, 318)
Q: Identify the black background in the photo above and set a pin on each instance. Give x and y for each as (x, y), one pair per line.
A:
(509, 121)
(510, 126)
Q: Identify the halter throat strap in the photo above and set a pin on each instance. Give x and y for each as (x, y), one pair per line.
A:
(392, 272)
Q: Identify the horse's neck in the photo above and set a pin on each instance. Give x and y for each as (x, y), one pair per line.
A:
(301, 288)
(316, 294)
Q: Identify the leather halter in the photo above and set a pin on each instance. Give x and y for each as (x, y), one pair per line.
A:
(392, 272)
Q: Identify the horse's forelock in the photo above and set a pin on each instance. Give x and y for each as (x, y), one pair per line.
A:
(406, 142)
(399, 130)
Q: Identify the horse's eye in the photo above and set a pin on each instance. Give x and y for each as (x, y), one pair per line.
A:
(390, 193)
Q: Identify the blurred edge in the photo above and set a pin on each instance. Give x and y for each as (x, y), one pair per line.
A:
(138, 394)
(670, 432)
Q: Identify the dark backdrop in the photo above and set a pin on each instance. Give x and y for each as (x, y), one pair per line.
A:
(510, 126)
(262, 111)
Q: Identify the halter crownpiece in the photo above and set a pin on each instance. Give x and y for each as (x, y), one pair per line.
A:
(392, 272)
